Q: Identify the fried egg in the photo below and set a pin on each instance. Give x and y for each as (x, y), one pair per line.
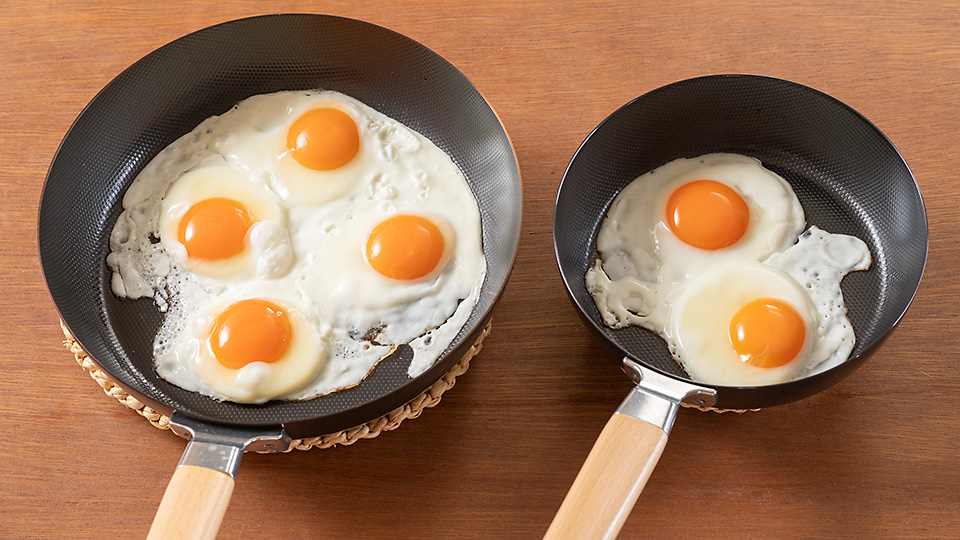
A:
(395, 263)
(362, 232)
(705, 253)
(216, 222)
(742, 324)
(315, 147)
(247, 344)
(688, 215)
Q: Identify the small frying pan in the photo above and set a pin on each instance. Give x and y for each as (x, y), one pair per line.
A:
(849, 178)
(165, 95)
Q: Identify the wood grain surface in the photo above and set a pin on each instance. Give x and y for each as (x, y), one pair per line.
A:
(873, 457)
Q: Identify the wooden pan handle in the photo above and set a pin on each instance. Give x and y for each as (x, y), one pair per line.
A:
(610, 480)
(193, 505)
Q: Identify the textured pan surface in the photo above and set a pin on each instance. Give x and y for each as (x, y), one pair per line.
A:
(849, 178)
(169, 92)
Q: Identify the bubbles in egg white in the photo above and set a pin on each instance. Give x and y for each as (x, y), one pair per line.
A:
(818, 262)
(324, 218)
(647, 277)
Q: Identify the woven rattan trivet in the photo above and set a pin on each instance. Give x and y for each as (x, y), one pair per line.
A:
(716, 410)
(390, 421)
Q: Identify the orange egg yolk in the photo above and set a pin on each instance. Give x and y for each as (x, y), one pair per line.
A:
(323, 139)
(250, 331)
(405, 247)
(707, 214)
(767, 333)
(214, 229)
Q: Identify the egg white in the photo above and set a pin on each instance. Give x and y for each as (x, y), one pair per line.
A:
(636, 241)
(259, 141)
(818, 262)
(363, 301)
(647, 277)
(699, 330)
(320, 223)
(184, 357)
(267, 251)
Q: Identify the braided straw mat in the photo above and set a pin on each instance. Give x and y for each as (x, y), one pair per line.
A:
(390, 421)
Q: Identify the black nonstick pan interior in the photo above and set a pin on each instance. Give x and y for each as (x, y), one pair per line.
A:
(169, 92)
(848, 176)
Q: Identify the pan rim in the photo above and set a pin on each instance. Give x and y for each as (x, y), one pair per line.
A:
(597, 331)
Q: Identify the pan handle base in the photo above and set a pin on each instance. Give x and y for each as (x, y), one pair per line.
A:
(657, 398)
(220, 447)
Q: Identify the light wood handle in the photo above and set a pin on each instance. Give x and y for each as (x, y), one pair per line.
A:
(193, 505)
(610, 480)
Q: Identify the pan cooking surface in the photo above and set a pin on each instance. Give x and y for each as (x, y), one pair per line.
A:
(168, 93)
(847, 175)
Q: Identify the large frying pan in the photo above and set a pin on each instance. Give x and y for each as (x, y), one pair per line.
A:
(165, 95)
(850, 179)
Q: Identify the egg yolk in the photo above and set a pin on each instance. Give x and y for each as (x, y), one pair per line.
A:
(707, 214)
(214, 229)
(323, 139)
(405, 247)
(250, 331)
(767, 333)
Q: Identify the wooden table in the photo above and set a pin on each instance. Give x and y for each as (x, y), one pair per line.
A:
(873, 457)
